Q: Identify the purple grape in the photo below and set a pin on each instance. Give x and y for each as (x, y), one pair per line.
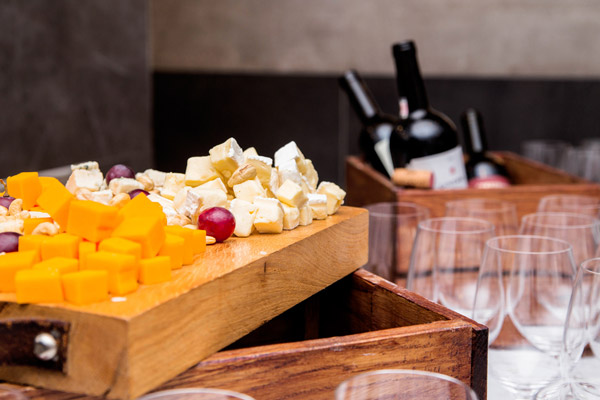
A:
(218, 222)
(6, 200)
(119, 171)
(135, 192)
(9, 242)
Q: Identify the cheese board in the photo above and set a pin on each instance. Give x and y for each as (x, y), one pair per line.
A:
(126, 346)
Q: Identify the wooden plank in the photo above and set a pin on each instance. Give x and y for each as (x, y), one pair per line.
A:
(123, 349)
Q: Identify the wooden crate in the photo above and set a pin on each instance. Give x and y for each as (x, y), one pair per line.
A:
(359, 324)
(532, 181)
(124, 349)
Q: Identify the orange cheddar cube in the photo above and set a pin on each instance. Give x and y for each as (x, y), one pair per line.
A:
(148, 231)
(10, 263)
(56, 200)
(85, 248)
(25, 186)
(32, 243)
(122, 246)
(91, 220)
(62, 265)
(47, 181)
(121, 268)
(199, 241)
(155, 270)
(141, 206)
(29, 224)
(61, 245)
(173, 247)
(38, 286)
(188, 236)
(85, 287)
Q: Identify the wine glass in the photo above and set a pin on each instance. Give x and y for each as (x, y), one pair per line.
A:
(196, 394)
(581, 231)
(392, 229)
(400, 384)
(9, 393)
(503, 214)
(570, 203)
(445, 260)
(547, 151)
(523, 295)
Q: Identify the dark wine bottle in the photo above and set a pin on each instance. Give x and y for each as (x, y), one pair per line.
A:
(427, 139)
(482, 171)
(376, 125)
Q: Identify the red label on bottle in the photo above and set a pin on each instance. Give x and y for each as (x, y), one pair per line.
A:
(489, 182)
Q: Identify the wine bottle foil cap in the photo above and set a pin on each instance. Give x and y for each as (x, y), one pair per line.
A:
(404, 47)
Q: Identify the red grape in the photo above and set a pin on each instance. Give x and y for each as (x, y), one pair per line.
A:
(119, 171)
(6, 200)
(135, 192)
(218, 222)
(9, 242)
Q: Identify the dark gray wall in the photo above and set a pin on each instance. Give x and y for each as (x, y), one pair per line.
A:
(74, 83)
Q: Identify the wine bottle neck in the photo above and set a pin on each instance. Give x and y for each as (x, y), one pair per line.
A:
(411, 88)
(360, 96)
(474, 133)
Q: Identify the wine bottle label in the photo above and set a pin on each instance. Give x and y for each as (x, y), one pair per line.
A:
(382, 148)
(448, 168)
(489, 182)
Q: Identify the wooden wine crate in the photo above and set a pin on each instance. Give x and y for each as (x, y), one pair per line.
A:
(361, 323)
(122, 349)
(531, 181)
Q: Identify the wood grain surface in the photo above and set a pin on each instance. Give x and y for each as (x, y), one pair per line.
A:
(123, 349)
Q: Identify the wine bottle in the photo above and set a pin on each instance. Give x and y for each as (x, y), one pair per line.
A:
(482, 171)
(376, 125)
(426, 139)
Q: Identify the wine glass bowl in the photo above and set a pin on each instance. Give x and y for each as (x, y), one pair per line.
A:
(502, 214)
(570, 203)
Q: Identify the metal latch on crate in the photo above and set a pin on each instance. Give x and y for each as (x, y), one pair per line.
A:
(34, 342)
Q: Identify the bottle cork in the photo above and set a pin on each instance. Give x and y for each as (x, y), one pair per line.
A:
(412, 177)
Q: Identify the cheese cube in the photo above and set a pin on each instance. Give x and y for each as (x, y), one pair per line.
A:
(199, 199)
(56, 200)
(167, 206)
(85, 179)
(155, 270)
(124, 185)
(142, 206)
(12, 225)
(290, 152)
(310, 174)
(29, 224)
(87, 165)
(198, 240)
(38, 286)
(174, 182)
(215, 184)
(273, 183)
(318, 204)
(335, 196)
(10, 263)
(249, 190)
(102, 196)
(86, 248)
(61, 245)
(173, 248)
(262, 166)
(227, 157)
(179, 199)
(32, 243)
(121, 269)
(291, 217)
(306, 215)
(269, 215)
(291, 194)
(25, 186)
(85, 287)
(250, 151)
(90, 220)
(60, 265)
(187, 236)
(122, 246)
(148, 231)
(157, 177)
(244, 213)
(199, 170)
(289, 170)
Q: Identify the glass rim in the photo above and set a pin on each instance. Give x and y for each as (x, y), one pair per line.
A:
(486, 226)
(418, 209)
(594, 202)
(594, 260)
(568, 248)
(156, 395)
(503, 205)
(342, 386)
(591, 221)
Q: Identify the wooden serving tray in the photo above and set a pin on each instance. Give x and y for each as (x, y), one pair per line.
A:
(531, 181)
(358, 324)
(124, 349)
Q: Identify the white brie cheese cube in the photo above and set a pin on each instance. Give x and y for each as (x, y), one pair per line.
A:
(249, 190)
(199, 170)
(227, 157)
(12, 225)
(306, 215)
(269, 215)
(90, 179)
(335, 196)
(199, 199)
(244, 213)
(88, 165)
(290, 152)
(291, 217)
(216, 184)
(289, 170)
(102, 196)
(263, 166)
(273, 183)
(291, 194)
(174, 182)
(179, 200)
(124, 185)
(318, 204)
(250, 151)
(311, 176)
(166, 204)
(158, 177)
